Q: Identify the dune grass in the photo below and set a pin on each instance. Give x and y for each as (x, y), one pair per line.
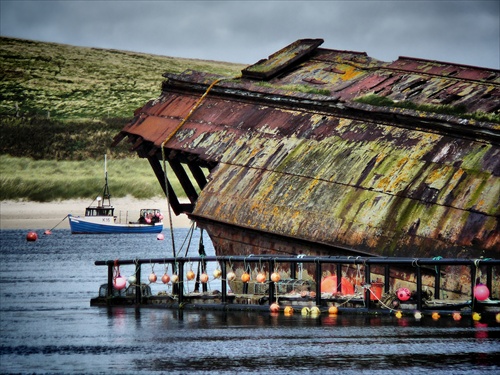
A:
(51, 180)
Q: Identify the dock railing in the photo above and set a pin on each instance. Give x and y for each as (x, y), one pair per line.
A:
(272, 261)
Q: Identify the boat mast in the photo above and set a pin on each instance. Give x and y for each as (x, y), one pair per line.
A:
(105, 192)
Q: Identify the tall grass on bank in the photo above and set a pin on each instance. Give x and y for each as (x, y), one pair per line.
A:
(51, 180)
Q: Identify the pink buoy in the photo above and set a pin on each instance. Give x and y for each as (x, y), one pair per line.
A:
(481, 292)
(119, 282)
(403, 294)
(47, 232)
(160, 237)
(31, 236)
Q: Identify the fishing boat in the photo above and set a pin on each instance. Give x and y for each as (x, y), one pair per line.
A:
(100, 217)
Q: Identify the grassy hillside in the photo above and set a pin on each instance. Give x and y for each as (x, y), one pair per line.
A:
(67, 82)
(61, 106)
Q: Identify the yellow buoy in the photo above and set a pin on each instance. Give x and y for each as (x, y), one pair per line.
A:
(398, 314)
(497, 317)
(305, 311)
(288, 310)
(476, 316)
(315, 310)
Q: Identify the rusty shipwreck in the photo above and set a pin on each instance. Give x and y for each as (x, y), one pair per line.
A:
(325, 152)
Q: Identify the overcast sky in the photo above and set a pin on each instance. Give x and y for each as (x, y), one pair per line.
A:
(464, 32)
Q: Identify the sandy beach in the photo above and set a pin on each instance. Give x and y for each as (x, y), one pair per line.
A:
(35, 215)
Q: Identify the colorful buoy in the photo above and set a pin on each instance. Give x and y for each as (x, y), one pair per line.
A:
(481, 292)
(288, 310)
(160, 237)
(245, 277)
(305, 311)
(31, 236)
(165, 278)
(456, 316)
(398, 314)
(47, 232)
(217, 273)
(403, 294)
(435, 315)
(275, 276)
(152, 277)
(204, 278)
(119, 282)
(476, 316)
(190, 275)
(261, 277)
(315, 311)
(333, 310)
(274, 307)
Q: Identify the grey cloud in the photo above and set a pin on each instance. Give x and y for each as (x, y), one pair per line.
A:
(464, 32)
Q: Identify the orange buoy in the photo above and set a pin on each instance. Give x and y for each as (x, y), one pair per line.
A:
(204, 278)
(152, 277)
(275, 276)
(165, 278)
(245, 277)
(456, 316)
(31, 236)
(332, 310)
(435, 316)
(261, 277)
(190, 275)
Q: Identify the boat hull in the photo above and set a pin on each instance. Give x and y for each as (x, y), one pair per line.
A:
(82, 225)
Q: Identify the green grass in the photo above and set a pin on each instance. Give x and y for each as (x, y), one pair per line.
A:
(23, 178)
(67, 82)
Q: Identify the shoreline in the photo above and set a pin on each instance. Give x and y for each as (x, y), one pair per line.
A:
(47, 215)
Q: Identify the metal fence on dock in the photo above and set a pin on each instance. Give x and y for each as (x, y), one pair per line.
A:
(318, 264)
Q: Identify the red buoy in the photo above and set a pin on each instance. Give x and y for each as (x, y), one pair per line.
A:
(31, 236)
(481, 292)
(403, 294)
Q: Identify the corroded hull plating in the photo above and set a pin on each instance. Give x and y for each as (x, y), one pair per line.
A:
(295, 165)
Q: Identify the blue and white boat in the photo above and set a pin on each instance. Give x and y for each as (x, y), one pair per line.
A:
(100, 217)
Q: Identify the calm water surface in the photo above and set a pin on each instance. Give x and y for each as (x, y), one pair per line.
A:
(48, 326)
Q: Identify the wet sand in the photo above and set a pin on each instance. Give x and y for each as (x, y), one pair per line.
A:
(35, 215)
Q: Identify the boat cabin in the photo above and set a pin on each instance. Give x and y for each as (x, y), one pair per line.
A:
(100, 209)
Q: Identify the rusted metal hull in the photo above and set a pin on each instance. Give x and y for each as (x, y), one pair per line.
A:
(286, 162)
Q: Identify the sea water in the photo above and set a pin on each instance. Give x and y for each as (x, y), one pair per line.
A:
(48, 326)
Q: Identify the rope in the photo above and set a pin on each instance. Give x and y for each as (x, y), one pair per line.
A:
(64, 218)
